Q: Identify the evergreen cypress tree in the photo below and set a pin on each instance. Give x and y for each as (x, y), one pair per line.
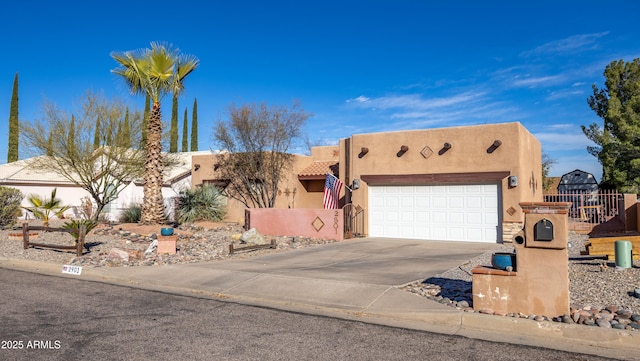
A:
(185, 132)
(71, 139)
(50, 144)
(96, 135)
(173, 144)
(194, 126)
(14, 127)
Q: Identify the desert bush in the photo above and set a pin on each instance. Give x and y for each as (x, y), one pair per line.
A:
(10, 199)
(131, 214)
(76, 224)
(201, 204)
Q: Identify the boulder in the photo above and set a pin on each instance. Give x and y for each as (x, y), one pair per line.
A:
(124, 254)
(253, 238)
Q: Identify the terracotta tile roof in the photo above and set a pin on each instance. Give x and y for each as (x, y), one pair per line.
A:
(318, 170)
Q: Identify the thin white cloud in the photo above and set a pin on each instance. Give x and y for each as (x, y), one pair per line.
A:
(360, 99)
(538, 81)
(567, 141)
(566, 93)
(570, 45)
(414, 101)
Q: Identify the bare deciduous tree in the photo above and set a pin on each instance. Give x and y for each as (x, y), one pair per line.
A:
(69, 151)
(257, 139)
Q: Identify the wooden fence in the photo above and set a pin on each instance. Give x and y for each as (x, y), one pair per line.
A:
(78, 247)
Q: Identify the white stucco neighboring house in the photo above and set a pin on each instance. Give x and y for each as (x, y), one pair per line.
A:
(23, 177)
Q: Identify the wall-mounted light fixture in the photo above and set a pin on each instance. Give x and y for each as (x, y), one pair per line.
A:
(494, 146)
(355, 184)
(445, 148)
(403, 149)
(363, 152)
(196, 166)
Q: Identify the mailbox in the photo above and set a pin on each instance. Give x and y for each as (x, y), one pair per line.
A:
(543, 231)
(540, 232)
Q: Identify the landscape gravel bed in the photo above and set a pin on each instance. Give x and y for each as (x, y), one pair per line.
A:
(601, 295)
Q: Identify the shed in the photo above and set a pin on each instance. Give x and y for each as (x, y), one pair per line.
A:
(578, 181)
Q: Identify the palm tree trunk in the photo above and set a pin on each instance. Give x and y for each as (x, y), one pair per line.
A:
(153, 202)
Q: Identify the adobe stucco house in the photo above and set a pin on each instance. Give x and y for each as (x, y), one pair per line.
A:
(458, 183)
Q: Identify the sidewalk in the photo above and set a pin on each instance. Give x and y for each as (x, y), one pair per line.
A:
(356, 280)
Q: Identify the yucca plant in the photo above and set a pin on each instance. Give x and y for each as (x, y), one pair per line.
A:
(76, 224)
(201, 204)
(132, 214)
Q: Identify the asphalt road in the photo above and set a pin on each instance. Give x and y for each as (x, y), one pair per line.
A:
(59, 318)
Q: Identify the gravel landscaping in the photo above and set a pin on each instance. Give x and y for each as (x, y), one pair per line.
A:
(601, 295)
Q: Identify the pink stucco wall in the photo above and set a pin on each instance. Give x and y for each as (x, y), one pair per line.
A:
(316, 223)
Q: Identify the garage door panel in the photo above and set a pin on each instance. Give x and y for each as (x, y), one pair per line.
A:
(475, 218)
(439, 202)
(456, 201)
(438, 212)
(407, 202)
(456, 218)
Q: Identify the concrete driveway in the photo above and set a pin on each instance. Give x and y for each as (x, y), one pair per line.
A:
(379, 261)
(358, 274)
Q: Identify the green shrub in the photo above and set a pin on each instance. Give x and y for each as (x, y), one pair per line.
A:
(132, 214)
(10, 199)
(76, 224)
(201, 204)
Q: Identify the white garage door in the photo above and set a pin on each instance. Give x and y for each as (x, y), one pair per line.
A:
(435, 212)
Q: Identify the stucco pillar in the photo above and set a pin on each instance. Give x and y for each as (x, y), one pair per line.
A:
(540, 282)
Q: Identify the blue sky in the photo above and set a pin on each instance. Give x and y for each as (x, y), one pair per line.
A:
(358, 66)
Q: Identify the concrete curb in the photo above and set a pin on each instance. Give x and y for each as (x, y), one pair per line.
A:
(619, 344)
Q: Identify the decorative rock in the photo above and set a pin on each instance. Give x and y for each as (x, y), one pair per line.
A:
(603, 323)
(252, 237)
(120, 254)
(152, 248)
(618, 326)
(463, 304)
(635, 317)
(589, 322)
(612, 309)
(624, 314)
(567, 319)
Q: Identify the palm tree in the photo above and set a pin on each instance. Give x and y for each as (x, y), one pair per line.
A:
(154, 72)
(44, 208)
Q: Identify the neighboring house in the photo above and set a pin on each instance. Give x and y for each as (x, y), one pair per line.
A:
(578, 182)
(21, 176)
(459, 183)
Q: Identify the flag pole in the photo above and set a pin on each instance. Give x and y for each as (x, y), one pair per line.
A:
(346, 186)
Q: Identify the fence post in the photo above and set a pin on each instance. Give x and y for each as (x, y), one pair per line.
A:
(80, 244)
(25, 235)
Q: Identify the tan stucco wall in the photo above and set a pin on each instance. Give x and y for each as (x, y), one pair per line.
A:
(292, 193)
(520, 154)
(540, 283)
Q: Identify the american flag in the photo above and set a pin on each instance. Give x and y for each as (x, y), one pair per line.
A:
(332, 187)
